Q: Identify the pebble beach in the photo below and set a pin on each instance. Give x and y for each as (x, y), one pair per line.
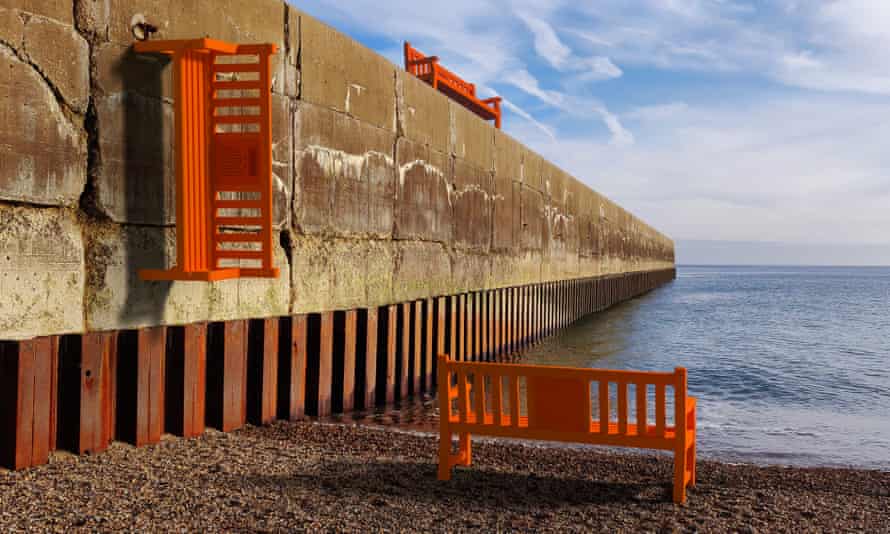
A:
(325, 477)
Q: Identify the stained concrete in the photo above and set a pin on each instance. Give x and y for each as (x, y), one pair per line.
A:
(41, 272)
(43, 149)
(385, 190)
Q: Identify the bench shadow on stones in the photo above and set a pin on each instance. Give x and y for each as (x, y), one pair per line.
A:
(391, 481)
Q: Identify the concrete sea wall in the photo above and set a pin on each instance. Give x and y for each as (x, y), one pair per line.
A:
(395, 208)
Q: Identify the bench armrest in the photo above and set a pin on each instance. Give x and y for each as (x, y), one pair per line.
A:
(493, 100)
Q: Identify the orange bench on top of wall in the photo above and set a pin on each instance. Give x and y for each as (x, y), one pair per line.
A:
(428, 69)
(559, 408)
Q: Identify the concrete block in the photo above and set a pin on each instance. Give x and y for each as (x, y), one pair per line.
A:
(252, 298)
(135, 173)
(41, 272)
(506, 207)
(533, 219)
(508, 157)
(43, 156)
(329, 273)
(535, 174)
(135, 178)
(340, 74)
(239, 21)
(345, 182)
(471, 199)
(423, 207)
(470, 271)
(53, 47)
(472, 139)
(58, 10)
(422, 270)
(116, 298)
(515, 269)
(424, 113)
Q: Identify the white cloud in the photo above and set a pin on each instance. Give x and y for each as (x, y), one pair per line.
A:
(547, 44)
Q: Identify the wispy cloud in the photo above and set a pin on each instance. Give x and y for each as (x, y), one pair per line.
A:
(711, 119)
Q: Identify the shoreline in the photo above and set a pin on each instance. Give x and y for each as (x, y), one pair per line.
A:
(347, 477)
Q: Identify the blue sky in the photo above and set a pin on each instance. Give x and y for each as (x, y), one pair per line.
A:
(710, 119)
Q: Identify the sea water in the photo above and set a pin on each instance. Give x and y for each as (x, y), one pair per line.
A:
(790, 365)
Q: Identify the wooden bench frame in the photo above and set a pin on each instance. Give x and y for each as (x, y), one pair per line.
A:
(428, 69)
(559, 408)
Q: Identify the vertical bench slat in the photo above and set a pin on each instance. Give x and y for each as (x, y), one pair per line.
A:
(642, 415)
(463, 396)
(603, 386)
(497, 403)
(514, 401)
(622, 408)
(660, 410)
(479, 396)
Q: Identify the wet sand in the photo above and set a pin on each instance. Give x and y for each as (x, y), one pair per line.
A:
(339, 477)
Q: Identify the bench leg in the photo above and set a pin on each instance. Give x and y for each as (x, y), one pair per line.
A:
(465, 449)
(680, 473)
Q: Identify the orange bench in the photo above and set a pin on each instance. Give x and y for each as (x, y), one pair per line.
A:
(559, 408)
(428, 69)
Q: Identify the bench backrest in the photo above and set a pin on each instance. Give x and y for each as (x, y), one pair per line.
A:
(412, 56)
(559, 403)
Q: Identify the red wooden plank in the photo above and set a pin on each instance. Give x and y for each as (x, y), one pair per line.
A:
(45, 358)
(95, 393)
(392, 319)
(263, 370)
(194, 379)
(150, 409)
(371, 361)
(461, 328)
(417, 348)
(349, 361)
(234, 414)
(477, 326)
(452, 322)
(440, 330)
(326, 364)
(296, 360)
(405, 353)
(484, 325)
(429, 321)
(469, 354)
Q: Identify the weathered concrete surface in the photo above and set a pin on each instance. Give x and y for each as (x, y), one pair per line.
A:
(423, 201)
(134, 173)
(424, 115)
(345, 175)
(386, 190)
(335, 273)
(43, 158)
(340, 74)
(116, 298)
(41, 272)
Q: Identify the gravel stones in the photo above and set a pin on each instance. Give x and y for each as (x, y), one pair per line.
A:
(340, 477)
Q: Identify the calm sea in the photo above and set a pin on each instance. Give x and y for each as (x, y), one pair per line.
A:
(791, 365)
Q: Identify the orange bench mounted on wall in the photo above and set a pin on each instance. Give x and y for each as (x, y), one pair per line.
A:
(428, 69)
(223, 159)
(559, 407)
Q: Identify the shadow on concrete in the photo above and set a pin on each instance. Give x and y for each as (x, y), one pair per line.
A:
(148, 175)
